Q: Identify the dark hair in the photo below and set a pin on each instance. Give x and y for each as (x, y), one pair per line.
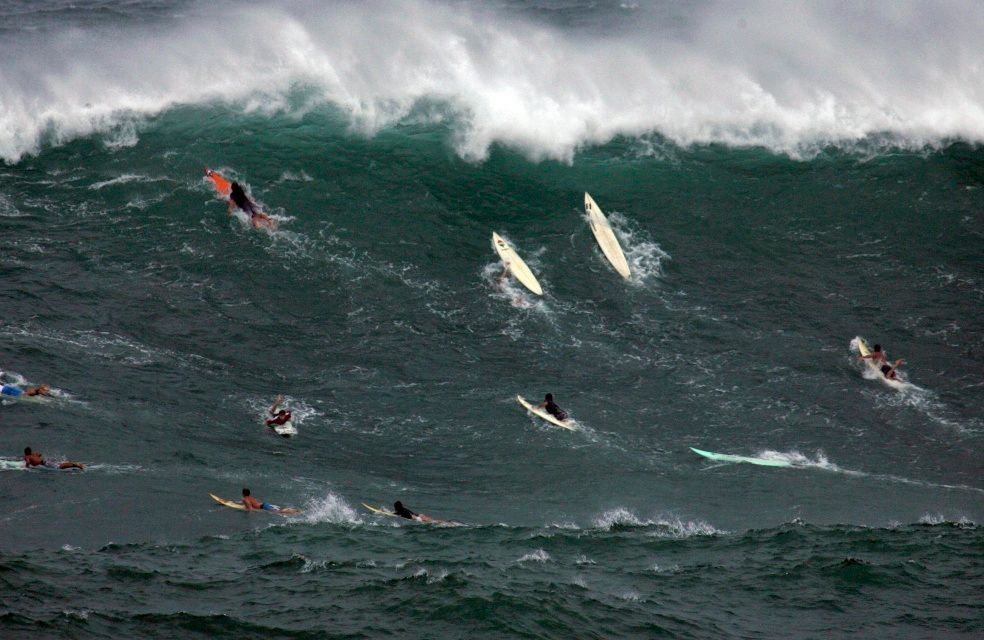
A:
(27, 451)
(877, 347)
(885, 368)
(549, 397)
(245, 491)
(397, 505)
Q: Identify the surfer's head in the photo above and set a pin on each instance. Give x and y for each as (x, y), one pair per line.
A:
(877, 347)
(245, 492)
(27, 451)
(885, 369)
(398, 506)
(549, 397)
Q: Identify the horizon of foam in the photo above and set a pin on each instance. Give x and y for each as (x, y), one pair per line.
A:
(791, 78)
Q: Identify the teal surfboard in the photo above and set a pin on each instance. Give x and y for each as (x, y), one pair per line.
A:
(724, 457)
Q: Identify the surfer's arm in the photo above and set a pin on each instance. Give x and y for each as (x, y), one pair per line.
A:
(276, 403)
(230, 206)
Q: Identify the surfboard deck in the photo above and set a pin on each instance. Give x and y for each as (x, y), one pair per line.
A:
(517, 267)
(286, 430)
(379, 511)
(228, 503)
(543, 415)
(724, 457)
(222, 186)
(603, 233)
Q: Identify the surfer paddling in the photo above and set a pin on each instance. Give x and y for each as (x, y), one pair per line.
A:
(877, 356)
(15, 392)
(34, 459)
(237, 198)
(551, 407)
(403, 512)
(278, 417)
(890, 371)
(252, 504)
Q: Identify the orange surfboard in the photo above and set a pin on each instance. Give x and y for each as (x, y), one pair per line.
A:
(222, 186)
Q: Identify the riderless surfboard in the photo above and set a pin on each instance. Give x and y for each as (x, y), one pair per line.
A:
(515, 264)
(724, 457)
(605, 236)
(543, 415)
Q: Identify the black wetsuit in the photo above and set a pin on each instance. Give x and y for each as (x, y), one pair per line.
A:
(403, 512)
(238, 196)
(554, 410)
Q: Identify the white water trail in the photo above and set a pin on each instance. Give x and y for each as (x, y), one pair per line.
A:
(792, 77)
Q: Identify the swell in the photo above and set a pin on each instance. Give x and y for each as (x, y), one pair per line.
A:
(794, 80)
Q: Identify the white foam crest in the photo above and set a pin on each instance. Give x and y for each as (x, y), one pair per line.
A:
(667, 525)
(123, 179)
(790, 77)
(645, 257)
(330, 508)
(539, 556)
(939, 518)
(510, 290)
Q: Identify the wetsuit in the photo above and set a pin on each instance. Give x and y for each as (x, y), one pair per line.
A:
(403, 512)
(238, 196)
(554, 410)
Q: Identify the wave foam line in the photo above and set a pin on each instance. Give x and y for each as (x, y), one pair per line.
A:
(794, 78)
(796, 459)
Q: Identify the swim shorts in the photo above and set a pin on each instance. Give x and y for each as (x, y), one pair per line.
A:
(13, 392)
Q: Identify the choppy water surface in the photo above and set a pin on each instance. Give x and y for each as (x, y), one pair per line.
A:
(771, 208)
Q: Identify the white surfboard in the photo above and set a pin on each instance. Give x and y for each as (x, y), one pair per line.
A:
(543, 415)
(605, 236)
(515, 264)
(287, 429)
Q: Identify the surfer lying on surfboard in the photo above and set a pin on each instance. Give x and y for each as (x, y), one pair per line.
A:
(252, 504)
(15, 392)
(551, 407)
(403, 512)
(278, 417)
(877, 357)
(34, 459)
(238, 198)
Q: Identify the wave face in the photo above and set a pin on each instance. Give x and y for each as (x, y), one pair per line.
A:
(545, 79)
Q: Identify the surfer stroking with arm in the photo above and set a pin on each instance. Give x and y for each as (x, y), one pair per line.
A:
(278, 417)
(551, 407)
(890, 371)
(34, 459)
(403, 512)
(14, 392)
(238, 198)
(876, 356)
(252, 504)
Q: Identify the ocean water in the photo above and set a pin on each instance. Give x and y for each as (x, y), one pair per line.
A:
(783, 178)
